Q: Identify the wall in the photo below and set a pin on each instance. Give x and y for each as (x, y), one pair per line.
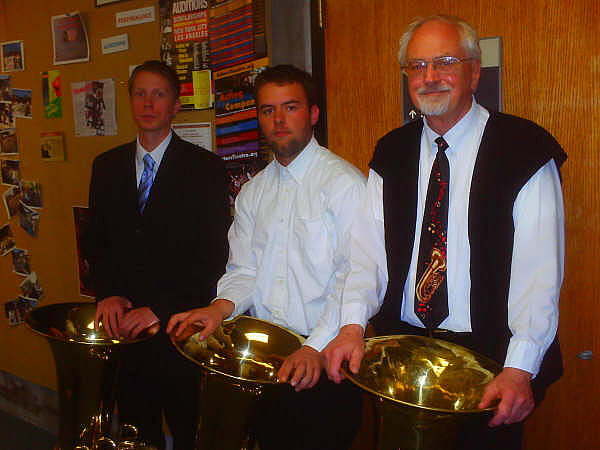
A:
(65, 184)
(550, 75)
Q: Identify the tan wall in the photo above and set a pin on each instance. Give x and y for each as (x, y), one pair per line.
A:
(65, 184)
(551, 70)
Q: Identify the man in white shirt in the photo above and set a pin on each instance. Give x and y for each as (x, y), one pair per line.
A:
(287, 262)
(501, 250)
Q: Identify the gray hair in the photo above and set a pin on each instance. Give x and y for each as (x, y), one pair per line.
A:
(468, 35)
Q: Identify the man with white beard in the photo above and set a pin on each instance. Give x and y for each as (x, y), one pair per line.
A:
(462, 234)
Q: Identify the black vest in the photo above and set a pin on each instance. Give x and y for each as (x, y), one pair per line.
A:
(511, 152)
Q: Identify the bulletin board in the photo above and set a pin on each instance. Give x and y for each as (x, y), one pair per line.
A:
(63, 182)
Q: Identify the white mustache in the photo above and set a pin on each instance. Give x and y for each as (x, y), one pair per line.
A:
(439, 89)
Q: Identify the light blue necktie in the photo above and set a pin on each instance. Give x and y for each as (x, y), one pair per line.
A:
(145, 182)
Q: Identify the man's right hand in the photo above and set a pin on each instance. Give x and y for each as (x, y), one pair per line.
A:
(349, 346)
(110, 311)
(209, 317)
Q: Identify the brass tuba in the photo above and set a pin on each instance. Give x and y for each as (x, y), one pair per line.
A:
(239, 362)
(424, 389)
(87, 362)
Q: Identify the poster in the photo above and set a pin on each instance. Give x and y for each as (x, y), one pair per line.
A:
(82, 219)
(94, 108)
(70, 39)
(237, 133)
(51, 94)
(199, 133)
(13, 58)
(52, 146)
(236, 32)
(184, 46)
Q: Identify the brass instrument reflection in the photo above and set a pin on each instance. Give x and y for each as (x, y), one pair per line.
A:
(424, 388)
(87, 361)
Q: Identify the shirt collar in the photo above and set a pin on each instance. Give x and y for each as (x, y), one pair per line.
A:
(454, 135)
(299, 166)
(156, 154)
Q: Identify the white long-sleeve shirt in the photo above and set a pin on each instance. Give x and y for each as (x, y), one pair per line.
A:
(289, 243)
(537, 260)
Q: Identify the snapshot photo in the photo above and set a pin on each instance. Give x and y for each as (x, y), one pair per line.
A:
(7, 241)
(52, 146)
(12, 201)
(11, 172)
(8, 142)
(17, 309)
(21, 262)
(7, 116)
(30, 287)
(5, 94)
(22, 103)
(31, 193)
(12, 56)
(29, 219)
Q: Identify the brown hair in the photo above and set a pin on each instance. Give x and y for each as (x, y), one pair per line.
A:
(288, 74)
(158, 68)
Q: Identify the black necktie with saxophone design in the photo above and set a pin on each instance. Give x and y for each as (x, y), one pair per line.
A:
(431, 293)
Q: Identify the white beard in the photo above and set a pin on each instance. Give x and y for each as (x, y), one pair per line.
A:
(434, 107)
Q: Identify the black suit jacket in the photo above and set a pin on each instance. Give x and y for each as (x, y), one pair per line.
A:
(170, 257)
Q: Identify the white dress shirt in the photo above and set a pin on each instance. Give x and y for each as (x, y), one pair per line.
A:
(288, 243)
(156, 154)
(537, 260)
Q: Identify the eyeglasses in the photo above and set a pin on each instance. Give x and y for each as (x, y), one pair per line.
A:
(441, 64)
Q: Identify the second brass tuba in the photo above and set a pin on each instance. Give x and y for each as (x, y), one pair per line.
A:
(239, 362)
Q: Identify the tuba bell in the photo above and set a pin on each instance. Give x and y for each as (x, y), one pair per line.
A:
(423, 388)
(87, 361)
(239, 363)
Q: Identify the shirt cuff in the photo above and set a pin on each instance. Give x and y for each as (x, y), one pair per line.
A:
(524, 355)
(354, 313)
(319, 339)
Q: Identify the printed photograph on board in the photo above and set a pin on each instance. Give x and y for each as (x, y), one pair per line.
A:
(12, 201)
(11, 172)
(21, 264)
(8, 142)
(7, 241)
(70, 39)
(51, 94)
(13, 58)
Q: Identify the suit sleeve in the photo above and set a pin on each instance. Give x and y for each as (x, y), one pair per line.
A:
(94, 238)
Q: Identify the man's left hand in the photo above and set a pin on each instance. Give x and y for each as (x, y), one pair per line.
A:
(136, 321)
(306, 364)
(513, 388)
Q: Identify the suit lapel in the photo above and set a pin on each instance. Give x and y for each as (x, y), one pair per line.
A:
(129, 191)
